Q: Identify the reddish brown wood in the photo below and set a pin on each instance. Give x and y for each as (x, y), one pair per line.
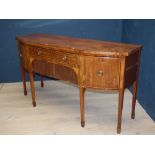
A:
(23, 75)
(79, 46)
(132, 59)
(43, 68)
(55, 71)
(65, 73)
(82, 91)
(130, 76)
(134, 89)
(23, 72)
(103, 74)
(120, 108)
(85, 62)
(121, 93)
(32, 85)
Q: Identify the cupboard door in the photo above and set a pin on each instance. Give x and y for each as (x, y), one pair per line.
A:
(102, 72)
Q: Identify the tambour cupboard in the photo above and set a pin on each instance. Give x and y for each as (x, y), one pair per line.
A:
(85, 62)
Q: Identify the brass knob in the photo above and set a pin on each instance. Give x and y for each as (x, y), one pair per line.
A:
(20, 55)
(64, 58)
(39, 52)
(100, 73)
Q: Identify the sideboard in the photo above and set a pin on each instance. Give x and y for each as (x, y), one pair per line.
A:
(87, 63)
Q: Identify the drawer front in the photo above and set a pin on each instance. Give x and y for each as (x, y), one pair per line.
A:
(66, 59)
(53, 56)
(40, 53)
(102, 72)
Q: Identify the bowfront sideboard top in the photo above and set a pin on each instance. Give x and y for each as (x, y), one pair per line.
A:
(86, 62)
(79, 46)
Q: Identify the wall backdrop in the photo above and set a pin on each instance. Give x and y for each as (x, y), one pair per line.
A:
(143, 32)
(130, 31)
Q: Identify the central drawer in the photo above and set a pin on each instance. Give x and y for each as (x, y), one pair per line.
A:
(102, 72)
(40, 53)
(65, 59)
(54, 56)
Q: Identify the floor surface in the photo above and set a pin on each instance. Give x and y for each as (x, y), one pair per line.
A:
(57, 111)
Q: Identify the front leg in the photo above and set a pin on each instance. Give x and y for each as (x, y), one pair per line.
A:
(120, 108)
(82, 91)
(121, 94)
(23, 74)
(32, 88)
(31, 74)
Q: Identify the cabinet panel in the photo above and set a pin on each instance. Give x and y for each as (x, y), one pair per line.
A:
(102, 72)
(55, 71)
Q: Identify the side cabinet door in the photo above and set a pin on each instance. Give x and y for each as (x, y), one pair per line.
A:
(102, 72)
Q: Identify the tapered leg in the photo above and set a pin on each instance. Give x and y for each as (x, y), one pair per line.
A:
(32, 88)
(23, 73)
(134, 89)
(82, 91)
(41, 81)
(120, 107)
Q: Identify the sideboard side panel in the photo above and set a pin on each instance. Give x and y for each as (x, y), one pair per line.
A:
(24, 55)
(131, 68)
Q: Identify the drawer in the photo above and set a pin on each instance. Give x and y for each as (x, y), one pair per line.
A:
(53, 56)
(65, 59)
(102, 72)
(39, 52)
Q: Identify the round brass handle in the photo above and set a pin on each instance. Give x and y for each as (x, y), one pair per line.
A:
(100, 73)
(20, 55)
(39, 52)
(64, 58)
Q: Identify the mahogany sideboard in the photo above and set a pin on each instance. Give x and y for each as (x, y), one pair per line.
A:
(88, 63)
